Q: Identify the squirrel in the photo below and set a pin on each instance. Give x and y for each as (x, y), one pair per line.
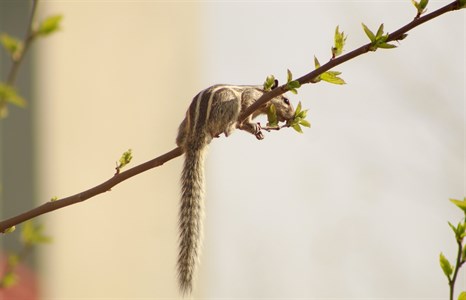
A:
(213, 111)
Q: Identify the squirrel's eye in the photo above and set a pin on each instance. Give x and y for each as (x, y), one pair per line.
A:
(287, 102)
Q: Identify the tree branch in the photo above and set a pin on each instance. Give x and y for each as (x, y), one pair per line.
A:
(308, 78)
(99, 189)
(459, 263)
(28, 38)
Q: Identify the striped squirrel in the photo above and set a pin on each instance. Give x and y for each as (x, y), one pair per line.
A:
(213, 111)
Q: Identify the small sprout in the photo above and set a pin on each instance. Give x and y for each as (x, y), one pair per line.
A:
(296, 122)
(316, 66)
(289, 75)
(379, 31)
(299, 119)
(369, 33)
(339, 40)
(462, 296)
(329, 76)
(9, 94)
(12, 45)
(32, 234)
(49, 25)
(269, 83)
(378, 40)
(10, 229)
(446, 266)
(272, 119)
(420, 6)
(332, 77)
(460, 204)
(292, 85)
(459, 231)
(124, 160)
(53, 199)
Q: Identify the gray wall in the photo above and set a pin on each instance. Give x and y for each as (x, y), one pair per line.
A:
(16, 131)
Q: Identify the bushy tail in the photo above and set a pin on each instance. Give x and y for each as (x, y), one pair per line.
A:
(190, 216)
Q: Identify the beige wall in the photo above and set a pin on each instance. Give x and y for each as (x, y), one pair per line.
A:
(109, 81)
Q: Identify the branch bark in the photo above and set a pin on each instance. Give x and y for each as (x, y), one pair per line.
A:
(307, 78)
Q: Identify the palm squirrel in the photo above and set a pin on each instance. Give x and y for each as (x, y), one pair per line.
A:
(213, 111)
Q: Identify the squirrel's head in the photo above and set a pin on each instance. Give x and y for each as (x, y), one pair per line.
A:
(285, 110)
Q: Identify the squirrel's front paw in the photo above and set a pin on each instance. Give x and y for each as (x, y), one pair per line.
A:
(259, 135)
(258, 132)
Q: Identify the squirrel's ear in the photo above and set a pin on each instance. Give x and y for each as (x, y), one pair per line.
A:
(275, 84)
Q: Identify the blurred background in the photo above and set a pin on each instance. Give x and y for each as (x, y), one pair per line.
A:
(356, 207)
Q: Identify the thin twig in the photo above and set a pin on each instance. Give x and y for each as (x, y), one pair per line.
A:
(28, 38)
(275, 128)
(459, 263)
(308, 78)
(99, 189)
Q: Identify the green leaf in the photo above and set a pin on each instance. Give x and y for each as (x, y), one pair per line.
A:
(305, 123)
(294, 84)
(420, 6)
(316, 62)
(379, 32)
(297, 128)
(49, 25)
(125, 159)
(368, 32)
(10, 229)
(386, 46)
(463, 254)
(446, 266)
(423, 4)
(289, 76)
(339, 42)
(462, 296)
(9, 94)
(461, 228)
(462, 4)
(269, 83)
(272, 116)
(460, 204)
(298, 109)
(12, 45)
(299, 119)
(32, 234)
(317, 65)
(302, 114)
(291, 84)
(8, 280)
(453, 228)
(331, 77)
